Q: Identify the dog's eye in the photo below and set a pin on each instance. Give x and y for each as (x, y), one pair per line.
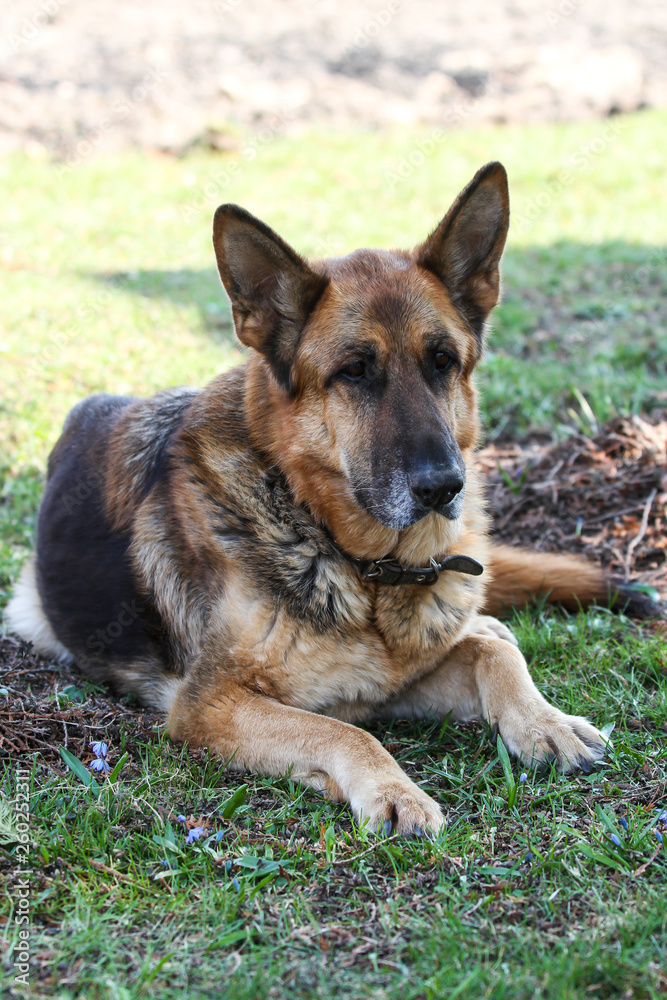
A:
(442, 361)
(354, 371)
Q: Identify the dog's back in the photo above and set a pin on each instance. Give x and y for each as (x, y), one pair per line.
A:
(80, 598)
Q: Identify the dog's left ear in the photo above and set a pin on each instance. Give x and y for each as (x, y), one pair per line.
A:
(465, 250)
(272, 289)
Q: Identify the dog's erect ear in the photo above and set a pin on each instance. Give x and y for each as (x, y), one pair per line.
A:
(465, 250)
(272, 290)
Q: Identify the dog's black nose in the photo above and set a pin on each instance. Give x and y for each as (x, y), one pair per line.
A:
(435, 487)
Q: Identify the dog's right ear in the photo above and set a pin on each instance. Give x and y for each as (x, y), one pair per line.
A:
(272, 290)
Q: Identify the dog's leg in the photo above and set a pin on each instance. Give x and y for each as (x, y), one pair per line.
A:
(268, 737)
(486, 677)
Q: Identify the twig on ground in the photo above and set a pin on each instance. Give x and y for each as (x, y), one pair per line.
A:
(100, 866)
(640, 534)
(31, 670)
(369, 850)
(642, 868)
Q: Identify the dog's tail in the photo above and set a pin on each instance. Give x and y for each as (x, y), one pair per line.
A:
(518, 576)
(25, 616)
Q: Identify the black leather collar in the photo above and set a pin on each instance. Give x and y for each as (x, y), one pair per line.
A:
(389, 571)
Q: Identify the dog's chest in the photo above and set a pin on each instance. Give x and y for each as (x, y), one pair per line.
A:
(366, 645)
(296, 615)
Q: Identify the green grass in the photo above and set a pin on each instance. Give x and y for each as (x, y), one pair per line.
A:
(109, 285)
(123, 907)
(110, 280)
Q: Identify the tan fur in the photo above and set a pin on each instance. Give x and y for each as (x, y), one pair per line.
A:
(244, 506)
(518, 577)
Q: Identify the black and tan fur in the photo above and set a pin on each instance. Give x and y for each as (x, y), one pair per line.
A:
(195, 547)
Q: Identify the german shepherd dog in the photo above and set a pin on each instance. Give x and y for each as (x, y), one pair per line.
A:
(299, 547)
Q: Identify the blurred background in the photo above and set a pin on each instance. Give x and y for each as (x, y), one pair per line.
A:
(165, 76)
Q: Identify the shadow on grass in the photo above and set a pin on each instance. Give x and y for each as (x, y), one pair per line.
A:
(581, 333)
(183, 286)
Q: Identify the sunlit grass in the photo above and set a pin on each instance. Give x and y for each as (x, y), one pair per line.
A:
(109, 286)
(110, 281)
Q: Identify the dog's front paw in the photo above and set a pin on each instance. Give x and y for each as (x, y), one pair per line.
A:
(397, 805)
(541, 735)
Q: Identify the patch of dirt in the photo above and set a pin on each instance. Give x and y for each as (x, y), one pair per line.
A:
(83, 75)
(605, 496)
(34, 717)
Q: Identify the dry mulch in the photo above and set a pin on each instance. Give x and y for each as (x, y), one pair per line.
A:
(37, 716)
(604, 497)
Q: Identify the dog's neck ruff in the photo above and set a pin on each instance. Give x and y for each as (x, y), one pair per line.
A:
(383, 570)
(389, 571)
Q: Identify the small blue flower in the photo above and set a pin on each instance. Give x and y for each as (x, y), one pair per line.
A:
(181, 818)
(194, 834)
(219, 835)
(98, 748)
(99, 765)
(236, 884)
(529, 856)
(658, 835)
(624, 823)
(523, 777)
(616, 839)
(228, 866)
(662, 818)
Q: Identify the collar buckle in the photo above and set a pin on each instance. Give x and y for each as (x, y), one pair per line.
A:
(389, 571)
(431, 574)
(383, 571)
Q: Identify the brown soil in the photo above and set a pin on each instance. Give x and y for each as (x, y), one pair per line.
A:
(35, 718)
(79, 76)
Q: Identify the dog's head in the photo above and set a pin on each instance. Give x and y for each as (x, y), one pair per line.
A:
(361, 383)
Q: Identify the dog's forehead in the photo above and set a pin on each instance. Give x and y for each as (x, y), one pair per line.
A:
(387, 289)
